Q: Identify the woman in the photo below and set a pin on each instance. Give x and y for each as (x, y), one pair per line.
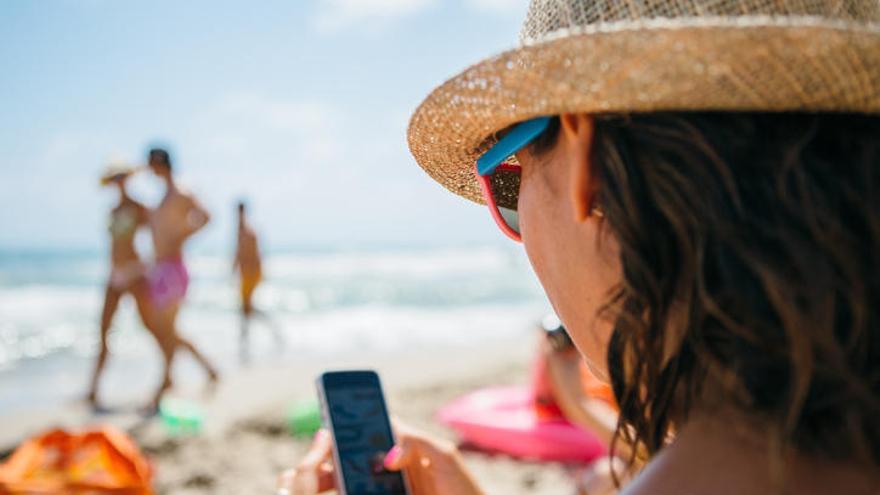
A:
(697, 185)
(127, 270)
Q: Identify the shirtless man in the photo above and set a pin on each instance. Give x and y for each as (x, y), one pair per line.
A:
(248, 264)
(175, 220)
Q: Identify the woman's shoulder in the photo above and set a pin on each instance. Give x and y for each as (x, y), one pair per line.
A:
(721, 459)
(140, 210)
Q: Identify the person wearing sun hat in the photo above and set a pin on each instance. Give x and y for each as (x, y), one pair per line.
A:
(116, 171)
(697, 186)
(127, 268)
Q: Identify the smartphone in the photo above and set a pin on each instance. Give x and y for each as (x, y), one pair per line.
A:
(354, 411)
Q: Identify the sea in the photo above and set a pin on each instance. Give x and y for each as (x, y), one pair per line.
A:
(320, 301)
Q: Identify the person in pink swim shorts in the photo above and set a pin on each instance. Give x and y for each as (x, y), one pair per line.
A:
(168, 281)
(178, 216)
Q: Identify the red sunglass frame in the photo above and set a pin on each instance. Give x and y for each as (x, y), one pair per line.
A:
(489, 197)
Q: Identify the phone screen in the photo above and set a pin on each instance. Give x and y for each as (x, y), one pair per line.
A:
(363, 437)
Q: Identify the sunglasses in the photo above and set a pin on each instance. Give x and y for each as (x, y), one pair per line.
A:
(499, 173)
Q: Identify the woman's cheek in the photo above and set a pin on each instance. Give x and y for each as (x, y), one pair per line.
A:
(530, 239)
(534, 235)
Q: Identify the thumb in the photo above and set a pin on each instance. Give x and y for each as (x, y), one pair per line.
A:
(407, 453)
(320, 451)
(312, 475)
(398, 457)
(412, 451)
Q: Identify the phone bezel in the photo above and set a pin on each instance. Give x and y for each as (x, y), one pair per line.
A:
(347, 378)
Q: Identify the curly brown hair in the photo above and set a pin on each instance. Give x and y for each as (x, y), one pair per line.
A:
(750, 248)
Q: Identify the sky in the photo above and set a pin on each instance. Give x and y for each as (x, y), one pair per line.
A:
(298, 106)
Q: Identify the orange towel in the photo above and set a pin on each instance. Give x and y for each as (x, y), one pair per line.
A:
(103, 460)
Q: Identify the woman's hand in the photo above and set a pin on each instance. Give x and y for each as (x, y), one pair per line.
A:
(432, 466)
(314, 474)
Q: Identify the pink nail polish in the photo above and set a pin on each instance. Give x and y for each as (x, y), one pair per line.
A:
(321, 435)
(392, 457)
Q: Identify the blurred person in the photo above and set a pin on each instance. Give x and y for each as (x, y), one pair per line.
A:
(126, 267)
(696, 186)
(248, 263)
(565, 386)
(177, 217)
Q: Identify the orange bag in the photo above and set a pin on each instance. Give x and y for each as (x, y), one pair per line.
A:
(99, 461)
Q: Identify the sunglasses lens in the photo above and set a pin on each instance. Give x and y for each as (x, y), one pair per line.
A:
(505, 189)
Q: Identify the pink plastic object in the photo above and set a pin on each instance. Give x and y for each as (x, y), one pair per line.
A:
(503, 419)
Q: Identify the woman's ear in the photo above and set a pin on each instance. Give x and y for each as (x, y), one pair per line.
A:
(576, 140)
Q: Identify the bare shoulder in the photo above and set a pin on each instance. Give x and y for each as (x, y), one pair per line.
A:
(643, 488)
(650, 483)
(666, 474)
(137, 205)
(183, 191)
(130, 205)
(184, 195)
(143, 212)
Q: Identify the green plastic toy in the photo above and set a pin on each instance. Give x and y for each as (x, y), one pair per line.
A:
(304, 417)
(181, 417)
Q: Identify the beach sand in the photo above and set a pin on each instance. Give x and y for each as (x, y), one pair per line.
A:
(245, 443)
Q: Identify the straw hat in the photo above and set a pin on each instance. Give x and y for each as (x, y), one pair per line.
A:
(116, 170)
(649, 55)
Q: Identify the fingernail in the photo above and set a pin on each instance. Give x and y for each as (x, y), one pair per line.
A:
(392, 457)
(321, 435)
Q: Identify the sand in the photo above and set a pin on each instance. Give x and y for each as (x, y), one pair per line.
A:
(245, 442)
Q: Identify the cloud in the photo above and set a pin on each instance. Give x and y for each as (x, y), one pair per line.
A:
(335, 15)
(283, 115)
(518, 7)
(278, 152)
(68, 144)
(242, 123)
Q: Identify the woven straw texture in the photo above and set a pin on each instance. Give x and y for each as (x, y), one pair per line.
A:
(652, 55)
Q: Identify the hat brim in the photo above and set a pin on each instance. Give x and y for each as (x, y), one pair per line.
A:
(116, 173)
(744, 64)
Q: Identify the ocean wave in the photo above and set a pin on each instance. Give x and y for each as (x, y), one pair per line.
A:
(325, 302)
